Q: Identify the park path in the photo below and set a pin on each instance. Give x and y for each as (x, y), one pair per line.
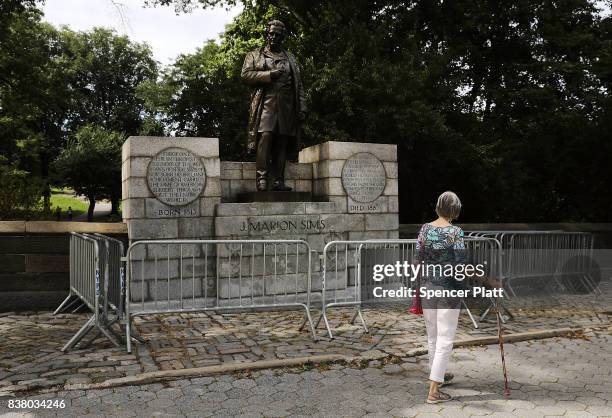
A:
(177, 343)
(553, 377)
(102, 208)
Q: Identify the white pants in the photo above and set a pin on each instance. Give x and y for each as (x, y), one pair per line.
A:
(441, 325)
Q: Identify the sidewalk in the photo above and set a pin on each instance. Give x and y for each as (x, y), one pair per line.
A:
(552, 377)
(30, 359)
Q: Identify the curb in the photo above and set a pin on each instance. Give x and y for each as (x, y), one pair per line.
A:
(151, 377)
(522, 336)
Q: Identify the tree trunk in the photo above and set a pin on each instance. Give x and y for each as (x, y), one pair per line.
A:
(90, 209)
(115, 197)
(47, 199)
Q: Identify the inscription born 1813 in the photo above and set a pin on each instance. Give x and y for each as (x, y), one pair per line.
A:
(363, 177)
(176, 176)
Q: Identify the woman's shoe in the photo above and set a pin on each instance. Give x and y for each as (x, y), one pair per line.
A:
(448, 377)
(438, 398)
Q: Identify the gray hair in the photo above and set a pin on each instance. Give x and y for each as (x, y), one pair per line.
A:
(448, 205)
(278, 23)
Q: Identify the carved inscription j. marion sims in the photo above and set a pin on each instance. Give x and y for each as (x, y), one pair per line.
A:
(363, 177)
(176, 176)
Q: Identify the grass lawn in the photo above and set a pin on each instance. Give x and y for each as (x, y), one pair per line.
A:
(60, 199)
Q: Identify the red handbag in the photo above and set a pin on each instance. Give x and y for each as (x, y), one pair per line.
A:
(416, 308)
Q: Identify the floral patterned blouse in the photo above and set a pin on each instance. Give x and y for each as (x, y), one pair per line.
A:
(440, 245)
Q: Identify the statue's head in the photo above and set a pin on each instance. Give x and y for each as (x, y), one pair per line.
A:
(275, 33)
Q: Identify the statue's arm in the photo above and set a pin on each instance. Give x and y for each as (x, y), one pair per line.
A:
(252, 76)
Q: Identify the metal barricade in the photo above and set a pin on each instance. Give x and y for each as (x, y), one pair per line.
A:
(114, 292)
(89, 264)
(84, 273)
(167, 276)
(544, 254)
(344, 279)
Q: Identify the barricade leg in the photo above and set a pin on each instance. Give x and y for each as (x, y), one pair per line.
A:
(131, 334)
(491, 306)
(324, 316)
(109, 335)
(308, 318)
(505, 309)
(318, 321)
(80, 334)
(486, 312)
(358, 314)
(64, 304)
(79, 306)
(469, 312)
(128, 334)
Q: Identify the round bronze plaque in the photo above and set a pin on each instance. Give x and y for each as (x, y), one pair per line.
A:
(364, 177)
(176, 176)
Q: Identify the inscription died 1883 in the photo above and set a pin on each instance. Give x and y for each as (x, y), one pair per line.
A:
(363, 177)
(176, 176)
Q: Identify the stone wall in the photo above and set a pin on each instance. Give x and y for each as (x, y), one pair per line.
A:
(34, 261)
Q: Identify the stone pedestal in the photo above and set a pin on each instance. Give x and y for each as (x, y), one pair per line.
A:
(359, 177)
(177, 188)
(238, 178)
(272, 196)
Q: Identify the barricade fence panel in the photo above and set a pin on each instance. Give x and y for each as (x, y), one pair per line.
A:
(200, 275)
(357, 273)
(532, 260)
(95, 281)
(116, 273)
(85, 273)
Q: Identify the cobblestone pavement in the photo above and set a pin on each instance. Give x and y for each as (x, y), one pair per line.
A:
(30, 358)
(553, 377)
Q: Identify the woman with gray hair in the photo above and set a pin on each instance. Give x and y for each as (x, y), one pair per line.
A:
(440, 243)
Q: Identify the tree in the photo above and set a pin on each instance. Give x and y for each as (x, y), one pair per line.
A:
(501, 102)
(19, 191)
(91, 164)
(201, 95)
(106, 72)
(33, 97)
(53, 82)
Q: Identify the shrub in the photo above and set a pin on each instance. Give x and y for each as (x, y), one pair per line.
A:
(20, 192)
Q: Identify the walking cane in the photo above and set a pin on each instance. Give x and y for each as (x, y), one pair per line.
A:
(501, 349)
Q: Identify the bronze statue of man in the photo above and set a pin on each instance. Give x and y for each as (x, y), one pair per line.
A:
(277, 107)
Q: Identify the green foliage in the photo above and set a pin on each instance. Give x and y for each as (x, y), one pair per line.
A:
(105, 70)
(507, 104)
(503, 103)
(91, 164)
(53, 82)
(20, 192)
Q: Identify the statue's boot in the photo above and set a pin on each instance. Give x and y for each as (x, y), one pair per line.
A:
(261, 180)
(279, 186)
